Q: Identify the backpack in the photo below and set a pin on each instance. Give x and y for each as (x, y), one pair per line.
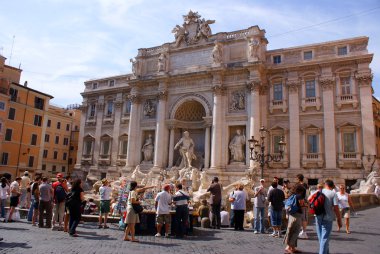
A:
(60, 194)
(317, 203)
(291, 205)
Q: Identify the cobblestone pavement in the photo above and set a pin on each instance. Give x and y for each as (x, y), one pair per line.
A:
(21, 237)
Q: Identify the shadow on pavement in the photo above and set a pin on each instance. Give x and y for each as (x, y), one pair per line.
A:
(15, 229)
(158, 244)
(13, 245)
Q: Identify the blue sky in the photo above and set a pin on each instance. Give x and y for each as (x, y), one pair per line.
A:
(62, 43)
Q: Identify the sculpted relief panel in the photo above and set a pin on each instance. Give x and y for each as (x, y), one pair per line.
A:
(149, 109)
(237, 101)
(179, 60)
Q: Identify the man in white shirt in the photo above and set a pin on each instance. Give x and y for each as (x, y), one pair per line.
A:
(224, 218)
(15, 195)
(163, 202)
(105, 192)
(181, 200)
(25, 184)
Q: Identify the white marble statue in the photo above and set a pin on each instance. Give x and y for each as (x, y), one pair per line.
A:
(137, 175)
(204, 28)
(179, 34)
(238, 101)
(149, 108)
(136, 67)
(162, 62)
(148, 149)
(253, 49)
(217, 53)
(186, 149)
(204, 180)
(236, 147)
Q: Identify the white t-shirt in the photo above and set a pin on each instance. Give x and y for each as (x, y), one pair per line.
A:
(377, 190)
(342, 200)
(225, 218)
(163, 200)
(25, 181)
(4, 191)
(105, 192)
(15, 186)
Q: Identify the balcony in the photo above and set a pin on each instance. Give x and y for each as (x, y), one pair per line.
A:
(278, 105)
(310, 103)
(349, 160)
(284, 163)
(347, 99)
(108, 119)
(87, 159)
(104, 160)
(312, 160)
(121, 160)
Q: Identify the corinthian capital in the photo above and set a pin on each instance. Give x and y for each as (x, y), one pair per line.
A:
(327, 83)
(364, 79)
(293, 86)
(162, 95)
(134, 98)
(218, 89)
(254, 86)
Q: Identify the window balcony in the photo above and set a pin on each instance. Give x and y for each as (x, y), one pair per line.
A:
(310, 103)
(347, 160)
(108, 119)
(91, 121)
(278, 105)
(347, 99)
(121, 160)
(284, 163)
(86, 159)
(104, 159)
(312, 160)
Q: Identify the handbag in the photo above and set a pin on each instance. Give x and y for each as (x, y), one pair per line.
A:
(137, 208)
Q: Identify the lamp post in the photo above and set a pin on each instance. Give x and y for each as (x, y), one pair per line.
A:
(257, 150)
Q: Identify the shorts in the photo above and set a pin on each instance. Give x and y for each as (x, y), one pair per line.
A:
(14, 201)
(163, 219)
(276, 218)
(345, 212)
(35, 204)
(304, 216)
(105, 206)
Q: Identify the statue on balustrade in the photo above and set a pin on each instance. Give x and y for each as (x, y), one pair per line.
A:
(148, 149)
(254, 49)
(217, 53)
(236, 147)
(162, 62)
(186, 149)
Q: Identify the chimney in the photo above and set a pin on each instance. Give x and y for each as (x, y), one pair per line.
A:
(26, 83)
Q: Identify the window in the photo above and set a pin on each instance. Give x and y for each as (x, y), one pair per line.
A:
(43, 167)
(33, 141)
(54, 168)
(8, 135)
(11, 114)
(342, 51)
(55, 156)
(31, 161)
(4, 159)
(63, 169)
(307, 55)
(47, 138)
(39, 103)
(94, 85)
(67, 127)
(37, 120)
(1, 126)
(2, 105)
(13, 93)
(59, 125)
(106, 147)
(88, 147)
(109, 108)
(48, 123)
(65, 141)
(57, 139)
(64, 157)
(277, 92)
(277, 59)
(92, 110)
(127, 109)
(112, 83)
(345, 85)
(70, 161)
(349, 142)
(276, 147)
(45, 154)
(124, 147)
(312, 143)
(71, 148)
(310, 88)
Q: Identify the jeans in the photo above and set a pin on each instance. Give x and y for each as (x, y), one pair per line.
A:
(232, 218)
(215, 215)
(3, 207)
(324, 229)
(45, 206)
(75, 216)
(31, 209)
(239, 219)
(182, 219)
(259, 224)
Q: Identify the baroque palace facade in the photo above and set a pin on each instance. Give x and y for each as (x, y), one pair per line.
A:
(222, 88)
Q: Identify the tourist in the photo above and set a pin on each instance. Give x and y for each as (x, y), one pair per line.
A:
(74, 203)
(35, 200)
(67, 213)
(32, 200)
(204, 213)
(305, 214)
(24, 187)
(60, 190)
(324, 222)
(294, 221)
(46, 197)
(275, 179)
(286, 189)
(239, 199)
(377, 190)
(345, 203)
(68, 182)
(132, 217)
(105, 192)
(181, 199)
(162, 203)
(90, 208)
(259, 207)
(224, 218)
(232, 217)
(4, 193)
(276, 198)
(15, 197)
(215, 190)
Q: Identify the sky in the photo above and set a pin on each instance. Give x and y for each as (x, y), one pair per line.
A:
(62, 43)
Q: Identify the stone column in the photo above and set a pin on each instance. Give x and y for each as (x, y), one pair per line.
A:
(171, 147)
(294, 121)
(330, 151)
(116, 129)
(83, 118)
(98, 129)
(133, 150)
(207, 148)
(161, 129)
(254, 113)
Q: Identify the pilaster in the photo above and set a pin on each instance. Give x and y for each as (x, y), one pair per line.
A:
(294, 122)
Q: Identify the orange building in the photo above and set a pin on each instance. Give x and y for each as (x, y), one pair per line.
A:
(376, 119)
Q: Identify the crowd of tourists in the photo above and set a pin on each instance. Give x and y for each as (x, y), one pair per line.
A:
(59, 206)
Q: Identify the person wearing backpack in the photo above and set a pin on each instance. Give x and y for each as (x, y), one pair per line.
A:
(293, 207)
(60, 190)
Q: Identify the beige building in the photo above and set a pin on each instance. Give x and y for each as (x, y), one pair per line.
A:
(222, 88)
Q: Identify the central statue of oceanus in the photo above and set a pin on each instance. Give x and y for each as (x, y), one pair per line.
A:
(186, 149)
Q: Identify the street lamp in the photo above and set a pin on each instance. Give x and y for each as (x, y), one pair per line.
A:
(257, 150)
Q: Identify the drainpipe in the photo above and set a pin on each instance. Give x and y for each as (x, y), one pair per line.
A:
(22, 132)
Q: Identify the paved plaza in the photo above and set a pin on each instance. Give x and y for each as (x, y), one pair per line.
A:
(23, 238)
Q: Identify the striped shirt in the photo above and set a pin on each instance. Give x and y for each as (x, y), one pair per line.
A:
(181, 198)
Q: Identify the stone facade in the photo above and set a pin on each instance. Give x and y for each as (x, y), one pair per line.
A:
(318, 97)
